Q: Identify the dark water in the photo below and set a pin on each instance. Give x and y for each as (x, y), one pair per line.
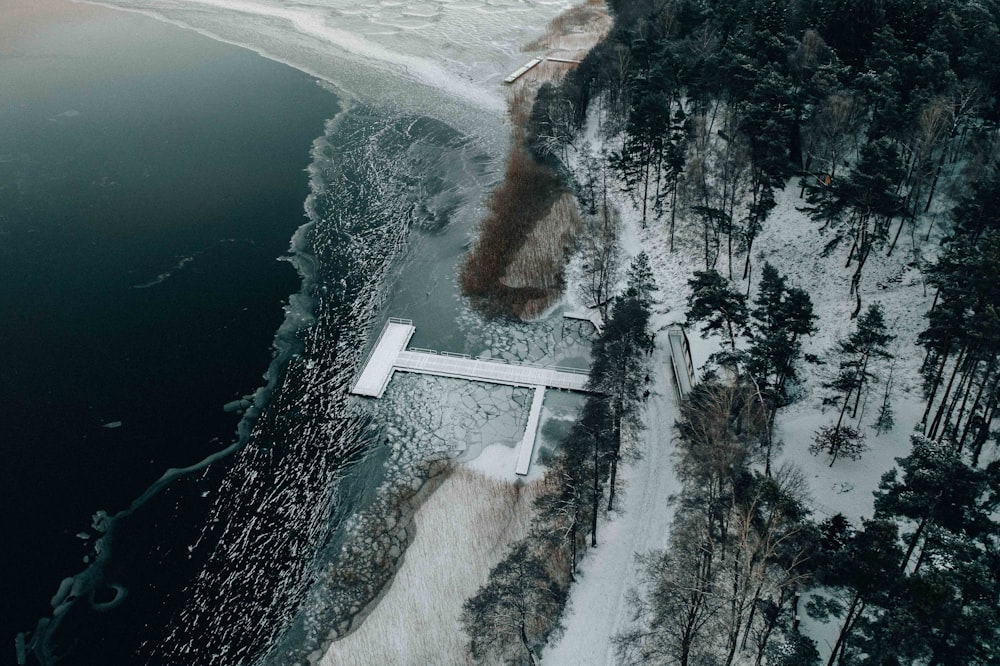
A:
(149, 179)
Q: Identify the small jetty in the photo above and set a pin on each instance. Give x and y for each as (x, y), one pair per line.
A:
(523, 69)
(593, 316)
(568, 61)
(390, 354)
(534, 62)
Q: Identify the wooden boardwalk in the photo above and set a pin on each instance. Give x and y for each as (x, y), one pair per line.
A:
(593, 316)
(680, 359)
(534, 62)
(528, 441)
(522, 70)
(490, 371)
(390, 354)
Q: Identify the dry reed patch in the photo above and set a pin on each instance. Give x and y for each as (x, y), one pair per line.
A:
(539, 262)
(525, 196)
(462, 531)
(529, 190)
(590, 18)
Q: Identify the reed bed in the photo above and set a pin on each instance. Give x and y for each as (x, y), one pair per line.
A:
(462, 530)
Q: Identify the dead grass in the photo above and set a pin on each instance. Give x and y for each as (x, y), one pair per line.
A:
(504, 273)
(525, 196)
(590, 17)
(540, 260)
(462, 531)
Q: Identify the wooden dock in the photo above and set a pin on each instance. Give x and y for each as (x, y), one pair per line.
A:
(528, 441)
(390, 354)
(523, 69)
(379, 365)
(593, 316)
(534, 62)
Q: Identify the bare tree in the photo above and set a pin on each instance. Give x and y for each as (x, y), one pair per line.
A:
(507, 617)
(601, 255)
(673, 615)
(831, 133)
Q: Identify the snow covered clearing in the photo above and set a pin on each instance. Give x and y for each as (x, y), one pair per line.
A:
(462, 531)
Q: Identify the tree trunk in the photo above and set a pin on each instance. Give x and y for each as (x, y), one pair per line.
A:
(673, 211)
(617, 435)
(527, 648)
(964, 389)
(846, 629)
(947, 393)
(934, 182)
(843, 409)
(861, 384)
(913, 543)
(975, 404)
(892, 246)
(597, 493)
(984, 430)
(934, 387)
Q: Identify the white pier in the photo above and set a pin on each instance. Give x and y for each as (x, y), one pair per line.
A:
(490, 371)
(523, 69)
(390, 354)
(528, 441)
(378, 368)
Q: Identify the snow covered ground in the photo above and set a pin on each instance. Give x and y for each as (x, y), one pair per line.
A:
(598, 606)
(792, 243)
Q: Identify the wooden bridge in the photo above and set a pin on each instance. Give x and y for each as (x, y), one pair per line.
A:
(390, 354)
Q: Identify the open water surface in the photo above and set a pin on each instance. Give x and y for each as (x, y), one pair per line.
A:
(150, 177)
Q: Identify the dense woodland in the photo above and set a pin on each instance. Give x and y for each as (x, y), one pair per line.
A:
(885, 114)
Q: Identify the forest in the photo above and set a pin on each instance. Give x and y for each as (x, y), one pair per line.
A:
(883, 115)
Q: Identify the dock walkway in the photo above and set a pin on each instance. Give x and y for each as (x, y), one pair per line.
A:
(534, 62)
(390, 354)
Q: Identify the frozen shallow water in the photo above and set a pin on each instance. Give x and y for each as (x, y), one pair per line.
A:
(442, 58)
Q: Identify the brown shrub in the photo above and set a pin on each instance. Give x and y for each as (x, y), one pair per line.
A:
(525, 196)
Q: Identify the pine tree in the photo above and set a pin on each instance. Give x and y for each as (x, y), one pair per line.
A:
(938, 490)
(716, 304)
(782, 317)
(839, 441)
(620, 369)
(867, 571)
(866, 344)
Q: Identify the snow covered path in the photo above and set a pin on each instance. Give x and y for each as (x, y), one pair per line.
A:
(597, 604)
